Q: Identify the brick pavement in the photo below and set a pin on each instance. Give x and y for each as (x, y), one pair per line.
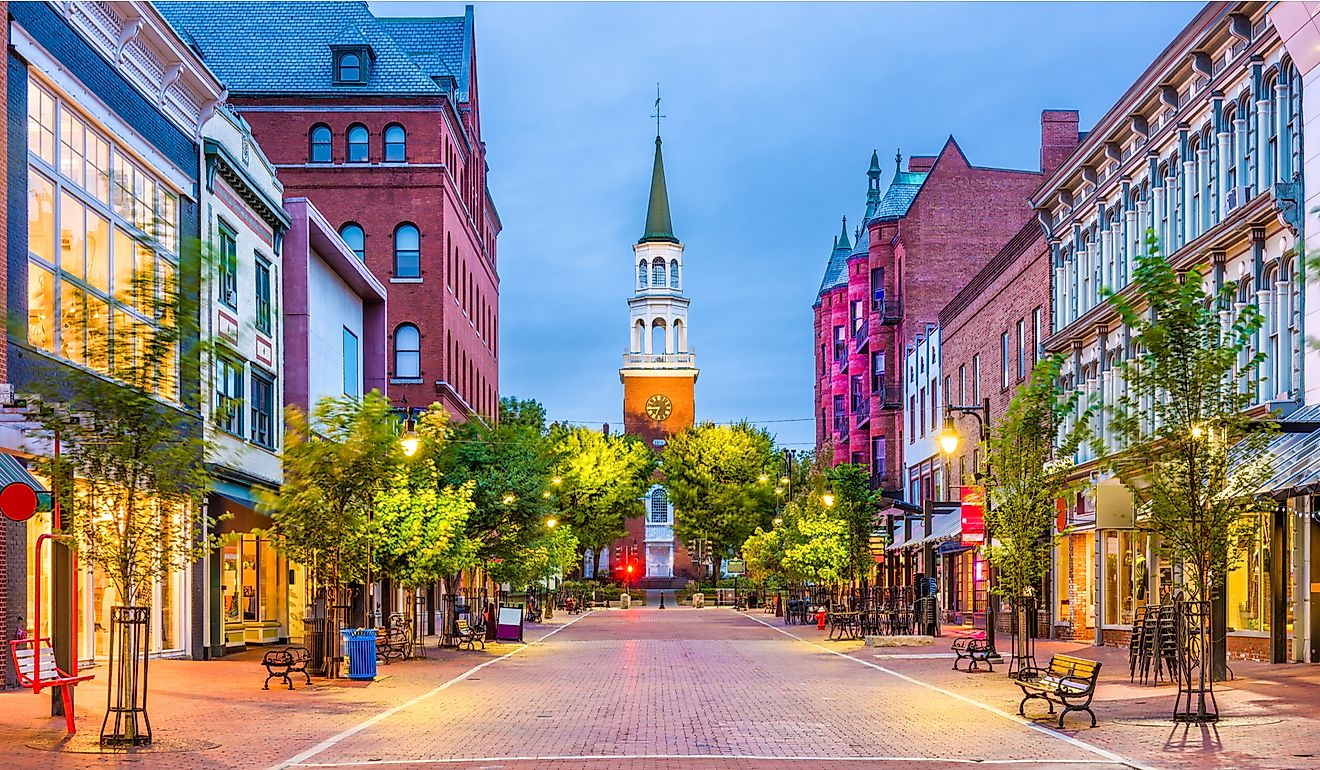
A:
(1272, 712)
(653, 689)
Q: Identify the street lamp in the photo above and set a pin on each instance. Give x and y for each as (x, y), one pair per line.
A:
(508, 499)
(778, 520)
(551, 522)
(828, 499)
(949, 440)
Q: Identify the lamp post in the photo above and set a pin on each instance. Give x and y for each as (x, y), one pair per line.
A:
(949, 439)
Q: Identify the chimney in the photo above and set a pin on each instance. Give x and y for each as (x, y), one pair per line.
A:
(921, 163)
(1058, 138)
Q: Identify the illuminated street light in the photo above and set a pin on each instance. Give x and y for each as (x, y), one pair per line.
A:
(949, 438)
(551, 522)
(778, 521)
(828, 499)
(556, 481)
(508, 499)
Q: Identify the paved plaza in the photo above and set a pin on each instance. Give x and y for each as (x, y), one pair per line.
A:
(650, 688)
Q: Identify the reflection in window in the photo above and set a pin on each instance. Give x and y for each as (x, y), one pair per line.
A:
(407, 252)
(320, 144)
(357, 144)
(407, 352)
(355, 238)
(396, 144)
(263, 411)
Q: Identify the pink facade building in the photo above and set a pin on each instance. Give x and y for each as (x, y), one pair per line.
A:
(921, 240)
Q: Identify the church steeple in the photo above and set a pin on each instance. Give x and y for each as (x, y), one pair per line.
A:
(872, 187)
(842, 242)
(659, 227)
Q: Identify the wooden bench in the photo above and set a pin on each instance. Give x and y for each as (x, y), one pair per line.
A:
(597, 600)
(469, 635)
(975, 650)
(395, 643)
(1067, 681)
(34, 662)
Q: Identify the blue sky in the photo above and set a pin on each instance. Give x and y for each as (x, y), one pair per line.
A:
(773, 110)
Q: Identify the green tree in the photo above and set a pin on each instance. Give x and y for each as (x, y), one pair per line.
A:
(508, 468)
(816, 547)
(719, 479)
(1029, 460)
(1190, 452)
(856, 505)
(335, 463)
(598, 483)
(763, 551)
(420, 523)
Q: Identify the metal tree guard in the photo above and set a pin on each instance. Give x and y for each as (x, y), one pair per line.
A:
(1196, 686)
(126, 697)
(1024, 635)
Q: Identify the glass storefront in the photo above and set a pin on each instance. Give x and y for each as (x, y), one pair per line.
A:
(97, 596)
(1074, 589)
(1127, 575)
(1248, 584)
(254, 600)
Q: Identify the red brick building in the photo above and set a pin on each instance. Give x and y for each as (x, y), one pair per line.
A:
(931, 231)
(377, 122)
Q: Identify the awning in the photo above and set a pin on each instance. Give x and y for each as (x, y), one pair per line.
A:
(1294, 459)
(945, 526)
(240, 511)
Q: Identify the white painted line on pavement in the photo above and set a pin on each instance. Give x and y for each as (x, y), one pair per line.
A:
(720, 757)
(298, 759)
(1107, 754)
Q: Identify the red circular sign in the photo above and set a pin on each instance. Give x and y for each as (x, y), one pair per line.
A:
(18, 501)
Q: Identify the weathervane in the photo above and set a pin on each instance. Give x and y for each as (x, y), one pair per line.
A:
(657, 114)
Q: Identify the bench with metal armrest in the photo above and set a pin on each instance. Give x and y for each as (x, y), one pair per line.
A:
(1067, 681)
(975, 649)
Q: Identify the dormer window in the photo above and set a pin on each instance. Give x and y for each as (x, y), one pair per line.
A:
(350, 68)
(352, 64)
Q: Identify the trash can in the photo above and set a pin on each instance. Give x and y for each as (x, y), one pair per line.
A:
(360, 650)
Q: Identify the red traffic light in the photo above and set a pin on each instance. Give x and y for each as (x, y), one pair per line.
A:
(630, 569)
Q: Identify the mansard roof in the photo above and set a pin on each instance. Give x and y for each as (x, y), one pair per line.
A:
(264, 48)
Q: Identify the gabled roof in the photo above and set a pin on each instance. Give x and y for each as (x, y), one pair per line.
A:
(284, 47)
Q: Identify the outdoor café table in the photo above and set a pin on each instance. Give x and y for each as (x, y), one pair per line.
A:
(845, 625)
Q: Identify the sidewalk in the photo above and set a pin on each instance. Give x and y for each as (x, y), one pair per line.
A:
(214, 714)
(1270, 713)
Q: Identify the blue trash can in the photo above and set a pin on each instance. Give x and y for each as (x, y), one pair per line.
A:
(360, 650)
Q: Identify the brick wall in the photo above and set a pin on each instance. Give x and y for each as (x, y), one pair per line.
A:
(455, 305)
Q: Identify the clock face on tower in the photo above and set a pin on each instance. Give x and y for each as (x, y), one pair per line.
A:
(659, 407)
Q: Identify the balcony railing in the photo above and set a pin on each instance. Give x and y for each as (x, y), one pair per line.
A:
(890, 311)
(861, 338)
(889, 396)
(660, 360)
(861, 412)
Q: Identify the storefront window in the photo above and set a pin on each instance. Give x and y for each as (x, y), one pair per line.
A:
(1074, 592)
(1248, 584)
(1127, 575)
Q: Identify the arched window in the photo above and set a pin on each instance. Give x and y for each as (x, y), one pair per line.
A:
(1230, 161)
(357, 143)
(407, 252)
(407, 352)
(349, 68)
(396, 143)
(320, 144)
(658, 272)
(1294, 122)
(641, 274)
(673, 274)
(1270, 156)
(658, 345)
(659, 506)
(356, 239)
(639, 336)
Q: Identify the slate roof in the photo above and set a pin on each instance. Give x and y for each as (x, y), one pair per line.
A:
(284, 47)
(836, 272)
(902, 191)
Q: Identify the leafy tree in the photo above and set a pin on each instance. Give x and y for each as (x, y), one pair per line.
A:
(598, 483)
(335, 463)
(420, 524)
(817, 547)
(508, 467)
(763, 551)
(718, 479)
(855, 504)
(543, 556)
(1029, 459)
(1191, 455)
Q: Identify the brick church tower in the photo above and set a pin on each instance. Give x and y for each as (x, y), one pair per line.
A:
(659, 376)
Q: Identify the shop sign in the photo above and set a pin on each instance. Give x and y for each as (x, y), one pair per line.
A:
(973, 515)
(735, 567)
(18, 501)
(1060, 514)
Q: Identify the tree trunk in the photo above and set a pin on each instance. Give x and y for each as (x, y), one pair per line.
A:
(715, 561)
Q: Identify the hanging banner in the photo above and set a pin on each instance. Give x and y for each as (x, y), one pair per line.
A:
(1060, 514)
(973, 515)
